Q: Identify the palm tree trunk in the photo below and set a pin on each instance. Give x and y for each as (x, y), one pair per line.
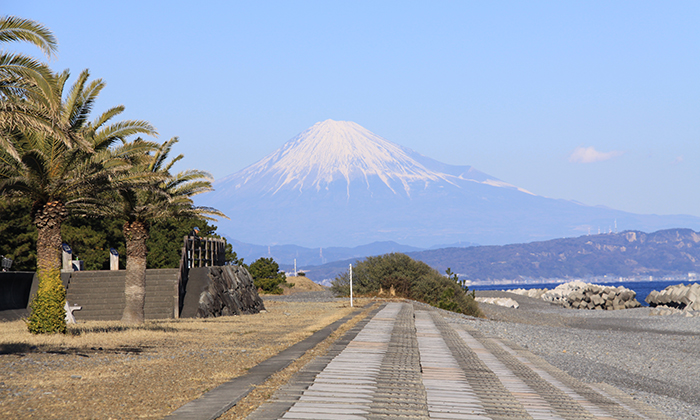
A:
(48, 221)
(48, 313)
(136, 234)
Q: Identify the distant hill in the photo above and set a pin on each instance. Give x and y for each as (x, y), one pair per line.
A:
(625, 254)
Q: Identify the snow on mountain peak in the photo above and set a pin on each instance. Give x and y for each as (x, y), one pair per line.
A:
(332, 151)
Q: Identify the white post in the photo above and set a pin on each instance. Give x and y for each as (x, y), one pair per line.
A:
(113, 259)
(351, 285)
(67, 257)
(295, 267)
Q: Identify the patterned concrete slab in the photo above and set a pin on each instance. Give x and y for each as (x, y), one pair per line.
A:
(410, 363)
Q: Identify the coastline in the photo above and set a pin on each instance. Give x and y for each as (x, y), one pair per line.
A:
(652, 358)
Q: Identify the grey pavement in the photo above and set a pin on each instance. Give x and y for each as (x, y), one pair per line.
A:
(407, 362)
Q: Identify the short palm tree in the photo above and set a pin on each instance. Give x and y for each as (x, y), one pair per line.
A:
(59, 172)
(165, 196)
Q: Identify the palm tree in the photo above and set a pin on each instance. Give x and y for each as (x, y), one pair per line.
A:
(167, 196)
(61, 172)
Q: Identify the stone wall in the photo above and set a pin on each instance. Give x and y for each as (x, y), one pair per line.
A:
(101, 294)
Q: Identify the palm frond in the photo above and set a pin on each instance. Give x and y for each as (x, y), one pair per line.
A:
(107, 136)
(98, 122)
(13, 29)
(162, 154)
(72, 104)
(18, 71)
(88, 95)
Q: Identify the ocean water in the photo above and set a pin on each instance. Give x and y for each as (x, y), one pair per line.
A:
(643, 288)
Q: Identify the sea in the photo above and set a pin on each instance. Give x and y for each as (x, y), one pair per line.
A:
(642, 288)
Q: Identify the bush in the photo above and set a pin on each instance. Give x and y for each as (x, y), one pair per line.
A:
(266, 276)
(301, 274)
(48, 307)
(410, 279)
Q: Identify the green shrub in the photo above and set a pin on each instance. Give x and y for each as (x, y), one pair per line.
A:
(48, 307)
(266, 276)
(410, 279)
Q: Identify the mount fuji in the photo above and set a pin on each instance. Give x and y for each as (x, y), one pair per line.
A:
(338, 184)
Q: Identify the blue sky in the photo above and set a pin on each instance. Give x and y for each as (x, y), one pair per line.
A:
(592, 101)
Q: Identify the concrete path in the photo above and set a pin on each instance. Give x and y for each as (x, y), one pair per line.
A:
(407, 362)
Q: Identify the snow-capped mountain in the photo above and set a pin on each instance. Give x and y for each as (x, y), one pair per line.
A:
(332, 151)
(337, 183)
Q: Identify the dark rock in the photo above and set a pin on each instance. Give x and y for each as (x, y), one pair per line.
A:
(226, 290)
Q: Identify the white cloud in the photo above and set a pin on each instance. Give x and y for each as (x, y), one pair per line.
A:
(590, 155)
(677, 160)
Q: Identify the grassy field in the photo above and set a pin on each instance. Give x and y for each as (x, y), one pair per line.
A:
(106, 370)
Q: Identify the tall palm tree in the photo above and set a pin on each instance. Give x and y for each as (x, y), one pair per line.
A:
(168, 196)
(59, 172)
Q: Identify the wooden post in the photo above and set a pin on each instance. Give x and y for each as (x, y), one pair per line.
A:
(199, 254)
(207, 252)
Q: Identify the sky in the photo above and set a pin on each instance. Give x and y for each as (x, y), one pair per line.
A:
(593, 101)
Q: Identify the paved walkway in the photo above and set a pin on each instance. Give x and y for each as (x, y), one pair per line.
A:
(407, 362)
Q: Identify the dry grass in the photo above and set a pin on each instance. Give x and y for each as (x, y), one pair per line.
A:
(301, 284)
(105, 370)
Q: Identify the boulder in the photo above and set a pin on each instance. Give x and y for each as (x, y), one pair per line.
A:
(218, 291)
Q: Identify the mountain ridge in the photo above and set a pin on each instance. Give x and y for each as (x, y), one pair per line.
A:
(625, 254)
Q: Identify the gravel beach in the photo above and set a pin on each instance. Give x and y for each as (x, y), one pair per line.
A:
(653, 358)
